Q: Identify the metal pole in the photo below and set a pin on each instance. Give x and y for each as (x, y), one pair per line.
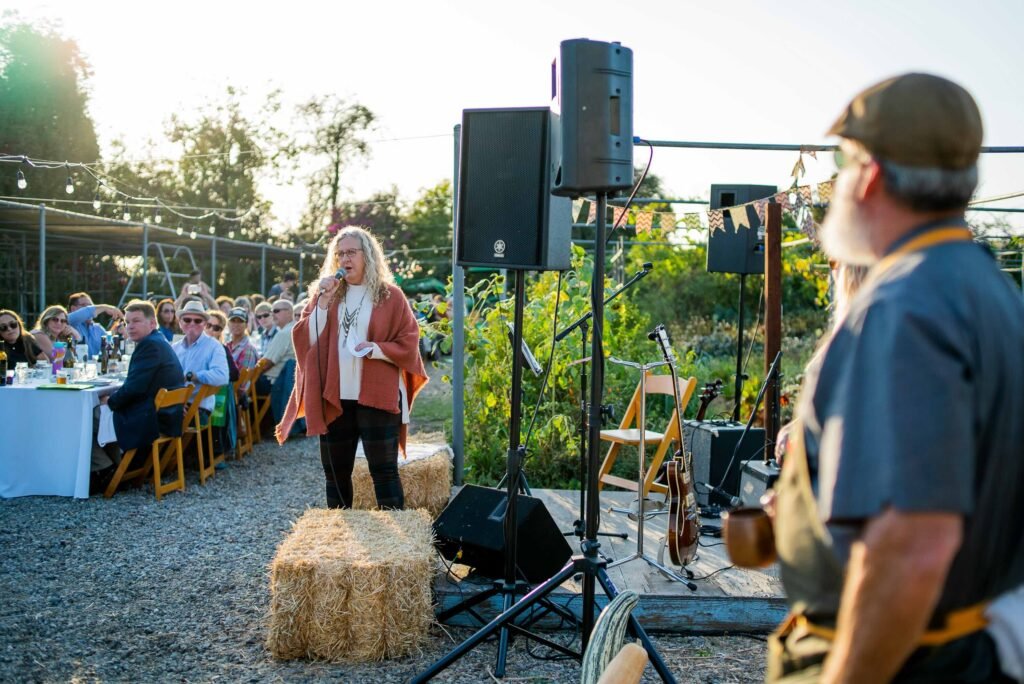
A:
(298, 285)
(263, 271)
(458, 328)
(42, 257)
(145, 261)
(213, 266)
(739, 352)
(771, 147)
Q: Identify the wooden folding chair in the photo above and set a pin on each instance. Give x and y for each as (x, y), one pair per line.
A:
(194, 429)
(164, 399)
(244, 445)
(258, 405)
(629, 432)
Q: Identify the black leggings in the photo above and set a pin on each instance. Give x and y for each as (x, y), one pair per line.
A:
(379, 433)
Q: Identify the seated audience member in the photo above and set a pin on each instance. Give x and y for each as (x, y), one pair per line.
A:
(286, 285)
(280, 348)
(202, 358)
(223, 435)
(154, 366)
(242, 350)
(244, 302)
(256, 298)
(81, 316)
(265, 325)
(16, 342)
(224, 304)
(52, 327)
(167, 318)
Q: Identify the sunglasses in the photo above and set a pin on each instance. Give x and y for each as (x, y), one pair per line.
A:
(843, 159)
(192, 321)
(214, 327)
(262, 315)
(11, 326)
(281, 310)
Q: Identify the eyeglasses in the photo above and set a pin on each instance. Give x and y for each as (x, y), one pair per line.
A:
(282, 310)
(192, 321)
(214, 327)
(262, 315)
(11, 326)
(349, 253)
(58, 320)
(843, 158)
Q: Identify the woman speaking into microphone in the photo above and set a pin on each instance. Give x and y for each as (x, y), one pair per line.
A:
(358, 368)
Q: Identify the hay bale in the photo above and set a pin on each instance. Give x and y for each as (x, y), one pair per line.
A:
(426, 479)
(352, 586)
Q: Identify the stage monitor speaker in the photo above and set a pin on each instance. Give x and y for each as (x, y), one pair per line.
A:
(507, 216)
(757, 478)
(712, 442)
(735, 249)
(594, 91)
(471, 531)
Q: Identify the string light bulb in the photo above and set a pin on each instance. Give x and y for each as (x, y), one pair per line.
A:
(69, 187)
(22, 183)
(231, 234)
(125, 214)
(180, 230)
(96, 203)
(157, 218)
(192, 235)
(213, 229)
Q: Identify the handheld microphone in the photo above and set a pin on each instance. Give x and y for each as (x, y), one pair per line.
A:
(648, 266)
(734, 501)
(339, 275)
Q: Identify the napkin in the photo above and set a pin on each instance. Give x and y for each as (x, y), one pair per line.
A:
(106, 434)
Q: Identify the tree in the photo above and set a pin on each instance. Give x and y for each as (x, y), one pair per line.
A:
(43, 105)
(426, 235)
(334, 137)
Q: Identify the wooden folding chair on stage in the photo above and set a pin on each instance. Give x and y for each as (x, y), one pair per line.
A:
(258, 405)
(244, 445)
(164, 399)
(631, 432)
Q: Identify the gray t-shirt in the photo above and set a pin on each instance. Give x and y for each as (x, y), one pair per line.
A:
(919, 405)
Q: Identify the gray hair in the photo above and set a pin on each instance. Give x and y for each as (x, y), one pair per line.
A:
(930, 188)
(376, 276)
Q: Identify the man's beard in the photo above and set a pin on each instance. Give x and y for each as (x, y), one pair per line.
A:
(845, 238)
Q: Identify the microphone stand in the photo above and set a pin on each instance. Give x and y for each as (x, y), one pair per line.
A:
(583, 323)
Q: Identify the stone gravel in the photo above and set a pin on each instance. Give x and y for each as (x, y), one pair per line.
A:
(134, 590)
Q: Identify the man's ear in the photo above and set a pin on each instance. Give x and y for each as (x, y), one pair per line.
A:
(870, 181)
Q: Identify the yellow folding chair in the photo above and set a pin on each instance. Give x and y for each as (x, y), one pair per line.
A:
(164, 399)
(244, 445)
(258, 405)
(631, 433)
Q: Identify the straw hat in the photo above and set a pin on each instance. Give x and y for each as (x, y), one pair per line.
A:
(195, 308)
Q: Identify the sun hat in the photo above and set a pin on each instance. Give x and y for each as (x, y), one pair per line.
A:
(195, 308)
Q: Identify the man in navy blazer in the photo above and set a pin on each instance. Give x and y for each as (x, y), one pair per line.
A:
(154, 366)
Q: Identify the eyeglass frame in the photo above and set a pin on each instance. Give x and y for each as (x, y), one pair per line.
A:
(192, 321)
(10, 326)
(261, 316)
(349, 253)
(214, 327)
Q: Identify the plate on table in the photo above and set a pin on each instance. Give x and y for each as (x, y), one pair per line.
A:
(66, 386)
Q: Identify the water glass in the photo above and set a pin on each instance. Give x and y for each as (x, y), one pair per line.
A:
(21, 370)
(91, 370)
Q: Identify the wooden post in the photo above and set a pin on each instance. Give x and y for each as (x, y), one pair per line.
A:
(772, 316)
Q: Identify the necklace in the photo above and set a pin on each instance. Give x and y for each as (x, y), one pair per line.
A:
(350, 317)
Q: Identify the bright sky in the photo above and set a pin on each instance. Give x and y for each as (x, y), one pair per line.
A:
(723, 71)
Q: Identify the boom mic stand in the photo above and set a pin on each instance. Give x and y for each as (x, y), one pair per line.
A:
(578, 528)
(590, 563)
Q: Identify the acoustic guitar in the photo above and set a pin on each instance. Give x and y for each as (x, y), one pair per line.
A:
(683, 518)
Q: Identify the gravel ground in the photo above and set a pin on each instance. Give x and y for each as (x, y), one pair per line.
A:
(132, 590)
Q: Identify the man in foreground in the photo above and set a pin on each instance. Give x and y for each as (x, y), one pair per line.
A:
(899, 513)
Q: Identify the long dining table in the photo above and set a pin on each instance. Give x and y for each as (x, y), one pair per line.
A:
(48, 440)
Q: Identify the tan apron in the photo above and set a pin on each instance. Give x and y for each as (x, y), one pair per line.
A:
(810, 569)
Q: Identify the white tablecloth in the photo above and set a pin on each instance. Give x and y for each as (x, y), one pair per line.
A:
(47, 443)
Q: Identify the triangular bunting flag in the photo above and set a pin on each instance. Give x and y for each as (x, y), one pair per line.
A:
(644, 222)
(759, 207)
(715, 220)
(782, 199)
(825, 192)
(592, 213)
(739, 217)
(691, 221)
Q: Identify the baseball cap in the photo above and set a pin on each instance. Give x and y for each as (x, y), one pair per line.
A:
(916, 120)
(238, 312)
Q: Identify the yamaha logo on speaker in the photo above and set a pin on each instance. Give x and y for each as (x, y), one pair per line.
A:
(499, 249)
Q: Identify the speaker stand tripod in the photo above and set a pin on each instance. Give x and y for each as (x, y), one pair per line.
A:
(589, 563)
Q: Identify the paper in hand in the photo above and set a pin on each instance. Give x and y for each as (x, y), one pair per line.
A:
(365, 351)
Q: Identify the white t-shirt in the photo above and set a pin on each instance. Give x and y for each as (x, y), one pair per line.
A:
(350, 363)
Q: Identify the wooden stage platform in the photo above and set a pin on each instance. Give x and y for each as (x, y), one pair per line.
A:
(729, 600)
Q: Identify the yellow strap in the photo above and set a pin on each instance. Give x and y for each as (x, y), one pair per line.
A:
(959, 624)
(923, 241)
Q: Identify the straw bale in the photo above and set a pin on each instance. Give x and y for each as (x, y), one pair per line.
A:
(350, 586)
(426, 479)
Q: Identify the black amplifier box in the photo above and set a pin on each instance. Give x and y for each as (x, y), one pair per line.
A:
(757, 478)
(712, 443)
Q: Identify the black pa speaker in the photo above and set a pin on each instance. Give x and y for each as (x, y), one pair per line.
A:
(506, 215)
(595, 98)
(735, 249)
(712, 443)
(471, 531)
